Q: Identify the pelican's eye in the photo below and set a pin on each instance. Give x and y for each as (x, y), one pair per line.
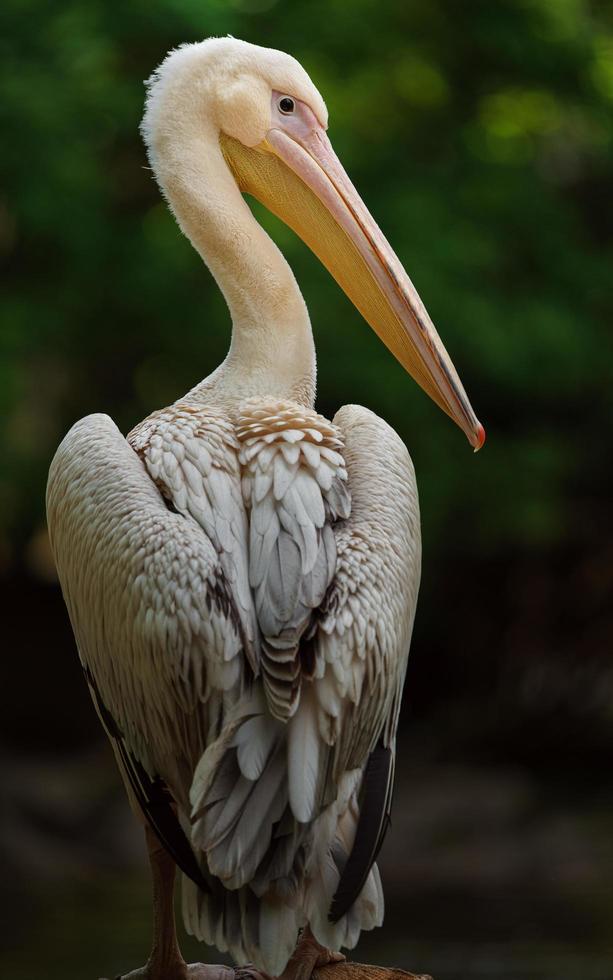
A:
(286, 105)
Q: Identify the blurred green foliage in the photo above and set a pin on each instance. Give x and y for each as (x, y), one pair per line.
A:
(480, 136)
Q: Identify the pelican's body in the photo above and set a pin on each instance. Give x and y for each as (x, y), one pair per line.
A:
(241, 574)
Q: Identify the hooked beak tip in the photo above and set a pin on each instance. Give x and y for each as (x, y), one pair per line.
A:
(479, 437)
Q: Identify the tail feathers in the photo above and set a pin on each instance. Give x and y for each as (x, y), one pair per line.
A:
(254, 847)
(238, 794)
(277, 936)
(260, 931)
(282, 869)
(335, 832)
(236, 855)
(273, 864)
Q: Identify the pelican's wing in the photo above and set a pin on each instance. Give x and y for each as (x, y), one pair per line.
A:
(155, 585)
(149, 793)
(361, 647)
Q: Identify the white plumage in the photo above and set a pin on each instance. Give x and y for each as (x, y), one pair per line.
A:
(167, 624)
(241, 574)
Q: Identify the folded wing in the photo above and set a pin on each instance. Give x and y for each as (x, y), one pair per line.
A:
(149, 562)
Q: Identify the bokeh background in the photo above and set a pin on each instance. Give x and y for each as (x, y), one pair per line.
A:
(480, 134)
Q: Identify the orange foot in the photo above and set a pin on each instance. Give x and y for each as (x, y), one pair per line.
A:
(308, 956)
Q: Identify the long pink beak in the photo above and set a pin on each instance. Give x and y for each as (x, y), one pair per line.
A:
(302, 143)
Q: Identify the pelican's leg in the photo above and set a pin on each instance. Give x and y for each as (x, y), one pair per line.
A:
(165, 961)
(308, 956)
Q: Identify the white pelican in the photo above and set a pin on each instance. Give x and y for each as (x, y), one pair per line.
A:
(241, 574)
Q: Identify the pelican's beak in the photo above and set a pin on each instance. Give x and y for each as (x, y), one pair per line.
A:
(296, 174)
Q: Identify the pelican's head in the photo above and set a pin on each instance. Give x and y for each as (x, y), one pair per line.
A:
(272, 125)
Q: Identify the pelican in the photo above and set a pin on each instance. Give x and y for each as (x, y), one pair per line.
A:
(241, 574)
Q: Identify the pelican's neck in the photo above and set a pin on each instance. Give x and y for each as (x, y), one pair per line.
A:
(272, 350)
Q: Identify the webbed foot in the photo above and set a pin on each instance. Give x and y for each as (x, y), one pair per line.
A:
(309, 955)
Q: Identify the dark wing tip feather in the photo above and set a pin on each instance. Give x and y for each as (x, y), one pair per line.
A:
(373, 823)
(153, 796)
(157, 805)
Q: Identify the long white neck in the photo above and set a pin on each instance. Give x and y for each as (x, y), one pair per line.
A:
(272, 350)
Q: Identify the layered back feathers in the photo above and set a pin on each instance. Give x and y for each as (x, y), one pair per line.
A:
(294, 489)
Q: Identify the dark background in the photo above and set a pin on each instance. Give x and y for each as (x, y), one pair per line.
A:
(480, 136)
